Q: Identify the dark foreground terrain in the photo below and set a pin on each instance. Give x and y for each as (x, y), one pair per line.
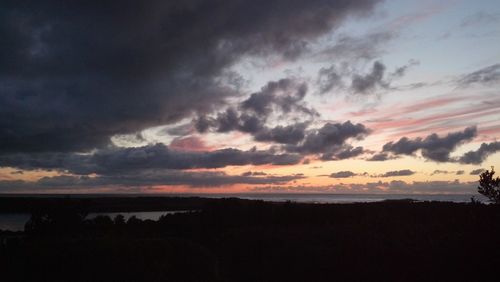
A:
(242, 240)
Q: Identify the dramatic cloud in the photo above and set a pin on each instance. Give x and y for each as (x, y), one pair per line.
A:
(284, 96)
(404, 172)
(480, 155)
(144, 179)
(190, 143)
(330, 140)
(291, 134)
(432, 147)
(127, 160)
(73, 75)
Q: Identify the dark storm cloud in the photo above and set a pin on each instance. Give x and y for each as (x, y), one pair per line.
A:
(343, 174)
(285, 95)
(343, 152)
(330, 140)
(432, 147)
(147, 178)
(74, 74)
(291, 134)
(363, 84)
(331, 137)
(282, 98)
(487, 75)
(404, 172)
(476, 171)
(480, 155)
(125, 160)
(460, 172)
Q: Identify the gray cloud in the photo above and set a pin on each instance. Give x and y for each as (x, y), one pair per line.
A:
(284, 96)
(401, 71)
(343, 174)
(403, 172)
(254, 173)
(291, 134)
(126, 160)
(487, 75)
(329, 79)
(334, 77)
(330, 140)
(476, 171)
(366, 47)
(144, 178)
(480, 155)
(480, 18)
(342, 152)
(85, 71)
(432, 147)
(439, 171)
(363, 84)
(381, 157)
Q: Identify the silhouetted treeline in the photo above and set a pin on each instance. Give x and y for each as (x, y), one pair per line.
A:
(241, 240)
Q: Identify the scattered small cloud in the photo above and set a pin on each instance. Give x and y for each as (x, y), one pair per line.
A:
(343, 174)
(403, 172)
(476, 171)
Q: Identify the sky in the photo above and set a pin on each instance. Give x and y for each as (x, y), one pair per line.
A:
(236, 96)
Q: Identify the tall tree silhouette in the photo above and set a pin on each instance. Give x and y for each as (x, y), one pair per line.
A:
(489, 186)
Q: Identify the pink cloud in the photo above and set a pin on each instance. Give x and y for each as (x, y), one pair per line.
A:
(190, 143)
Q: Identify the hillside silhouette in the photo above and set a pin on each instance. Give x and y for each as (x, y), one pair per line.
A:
(244, 240)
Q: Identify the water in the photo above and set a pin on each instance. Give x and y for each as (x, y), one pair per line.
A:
(16, 221)
(13, 221)
(353, 198)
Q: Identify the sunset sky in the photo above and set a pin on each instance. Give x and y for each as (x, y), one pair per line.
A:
(232, 96)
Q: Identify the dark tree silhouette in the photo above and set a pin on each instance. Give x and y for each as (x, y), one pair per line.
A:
(489, 186)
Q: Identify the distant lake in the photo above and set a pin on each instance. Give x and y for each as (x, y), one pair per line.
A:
(351, 198)
(16, 221)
